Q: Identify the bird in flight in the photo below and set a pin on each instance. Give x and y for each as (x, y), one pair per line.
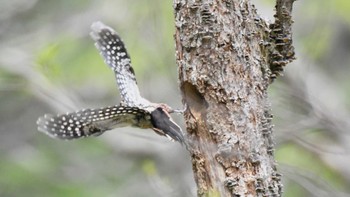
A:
(134, 110)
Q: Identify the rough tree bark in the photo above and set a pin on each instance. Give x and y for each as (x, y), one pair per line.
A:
(227, 57)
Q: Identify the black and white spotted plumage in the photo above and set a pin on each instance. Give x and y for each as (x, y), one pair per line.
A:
(93, 122)
(116, 56)
(134, 110)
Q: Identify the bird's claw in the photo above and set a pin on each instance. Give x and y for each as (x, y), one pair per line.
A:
(180, 111)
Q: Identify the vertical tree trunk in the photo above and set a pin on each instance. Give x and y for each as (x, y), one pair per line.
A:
(225, 53)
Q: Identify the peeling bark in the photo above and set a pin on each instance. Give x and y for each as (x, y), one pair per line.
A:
(224, 51)
(281, 50)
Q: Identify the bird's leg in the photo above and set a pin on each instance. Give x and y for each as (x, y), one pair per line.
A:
(180, 111)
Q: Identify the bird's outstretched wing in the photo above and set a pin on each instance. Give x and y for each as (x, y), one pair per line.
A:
(116, 56)
(93, 121)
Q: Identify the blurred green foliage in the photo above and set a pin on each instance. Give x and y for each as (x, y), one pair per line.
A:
(55, 35)
(70, 60)
(308, 163)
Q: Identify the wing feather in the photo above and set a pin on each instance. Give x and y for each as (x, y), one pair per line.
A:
(92, 122)
(113, 50)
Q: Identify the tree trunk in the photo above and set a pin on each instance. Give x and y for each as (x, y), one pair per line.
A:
(227, 56)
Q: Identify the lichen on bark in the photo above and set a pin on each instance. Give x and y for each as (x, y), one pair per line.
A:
(224, 72)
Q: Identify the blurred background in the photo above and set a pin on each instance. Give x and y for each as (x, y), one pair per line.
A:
(48, 64)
